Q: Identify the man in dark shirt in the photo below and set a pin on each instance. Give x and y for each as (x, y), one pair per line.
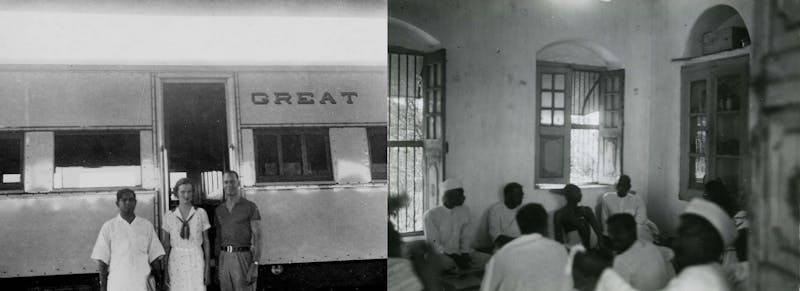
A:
(238, 237)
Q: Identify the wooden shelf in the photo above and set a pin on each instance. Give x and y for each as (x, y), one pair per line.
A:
(715, 56)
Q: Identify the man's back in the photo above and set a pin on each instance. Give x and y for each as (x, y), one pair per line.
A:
(530, 262)
(643, 266)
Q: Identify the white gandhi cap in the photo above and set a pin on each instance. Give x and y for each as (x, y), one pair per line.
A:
(450, 184)
(716, 216)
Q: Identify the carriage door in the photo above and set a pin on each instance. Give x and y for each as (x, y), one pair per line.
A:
(195, 135)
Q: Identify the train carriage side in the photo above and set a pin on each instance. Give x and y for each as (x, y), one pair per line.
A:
(308, 142)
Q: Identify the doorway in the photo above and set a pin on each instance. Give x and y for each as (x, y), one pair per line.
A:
(196, 135)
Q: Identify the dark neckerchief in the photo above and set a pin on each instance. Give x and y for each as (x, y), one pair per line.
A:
(184, 225)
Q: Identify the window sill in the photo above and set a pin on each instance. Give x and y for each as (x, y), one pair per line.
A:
(74, 192)
(313, 185)
(543, 186)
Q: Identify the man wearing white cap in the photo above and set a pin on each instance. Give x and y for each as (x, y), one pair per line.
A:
(448, 230)
(704, 231)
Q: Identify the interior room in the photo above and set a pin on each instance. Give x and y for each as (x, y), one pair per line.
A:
(544, 93)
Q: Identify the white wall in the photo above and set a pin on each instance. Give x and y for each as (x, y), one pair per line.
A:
(491, 50)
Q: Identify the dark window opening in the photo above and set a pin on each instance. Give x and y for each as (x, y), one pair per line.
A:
(97, 159)
(11, 162)
(293, 155)
(377, 152)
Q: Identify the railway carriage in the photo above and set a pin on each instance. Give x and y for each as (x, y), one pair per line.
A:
(306, 132)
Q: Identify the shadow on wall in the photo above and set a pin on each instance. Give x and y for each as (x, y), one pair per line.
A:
(579, 51)
(405, 35)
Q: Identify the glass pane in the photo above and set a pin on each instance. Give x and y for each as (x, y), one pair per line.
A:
(292, 155)
(559, 82)
(583, 155)
(729, 92)
(697, 96)
(267, 155)
(697, 131)
(729, 134)
(728, 172)
(10, 163)
(558, 101)
(10, 156)
(547, 99)
(547, 81)
(546, 117)
(317, 154)
(558, 117)
(697, 172)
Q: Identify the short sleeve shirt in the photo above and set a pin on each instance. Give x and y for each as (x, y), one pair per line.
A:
(128, 249)
(234, 226)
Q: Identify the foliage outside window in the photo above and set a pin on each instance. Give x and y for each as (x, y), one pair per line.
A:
(579, 128)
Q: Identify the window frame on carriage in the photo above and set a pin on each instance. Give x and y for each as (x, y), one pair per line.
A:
(13, 187)
(326, 176)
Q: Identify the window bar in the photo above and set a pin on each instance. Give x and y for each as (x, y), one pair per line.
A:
(405, 150)
(414, 131)
(306, 168)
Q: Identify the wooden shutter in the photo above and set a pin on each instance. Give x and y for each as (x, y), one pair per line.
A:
(612, 88)
(433, 77)
(553, 123)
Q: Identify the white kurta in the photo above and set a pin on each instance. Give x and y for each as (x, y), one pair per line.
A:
(708, 277)
(503, 221)
(448, 230)
(643, 266)
(632, 204)
(530, 262)
(128, 249)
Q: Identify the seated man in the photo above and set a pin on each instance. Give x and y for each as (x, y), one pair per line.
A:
(704, 231)
(623, 201)
(573, 223)
(502, 216)
(530, 262)
(447, 229)
(638, 262)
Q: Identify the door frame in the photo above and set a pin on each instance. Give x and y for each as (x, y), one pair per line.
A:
(231, 119)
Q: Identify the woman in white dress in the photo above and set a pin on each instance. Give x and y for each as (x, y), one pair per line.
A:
(187, 242)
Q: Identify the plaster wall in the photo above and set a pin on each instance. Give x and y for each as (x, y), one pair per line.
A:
(491, 52)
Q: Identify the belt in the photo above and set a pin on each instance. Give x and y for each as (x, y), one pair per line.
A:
(231, 249)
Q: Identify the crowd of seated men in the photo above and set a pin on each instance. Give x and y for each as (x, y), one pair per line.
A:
(618, 248)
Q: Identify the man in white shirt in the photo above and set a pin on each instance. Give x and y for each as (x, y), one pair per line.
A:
(448, 230)
(622, 201)
(502, 216)
(703, 233)
(530, 262)
(638, 262)
(126, 248)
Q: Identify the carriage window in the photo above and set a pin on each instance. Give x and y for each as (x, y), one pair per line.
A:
(97, 159)
(293, 155)
(377, 152)
(10, 162)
